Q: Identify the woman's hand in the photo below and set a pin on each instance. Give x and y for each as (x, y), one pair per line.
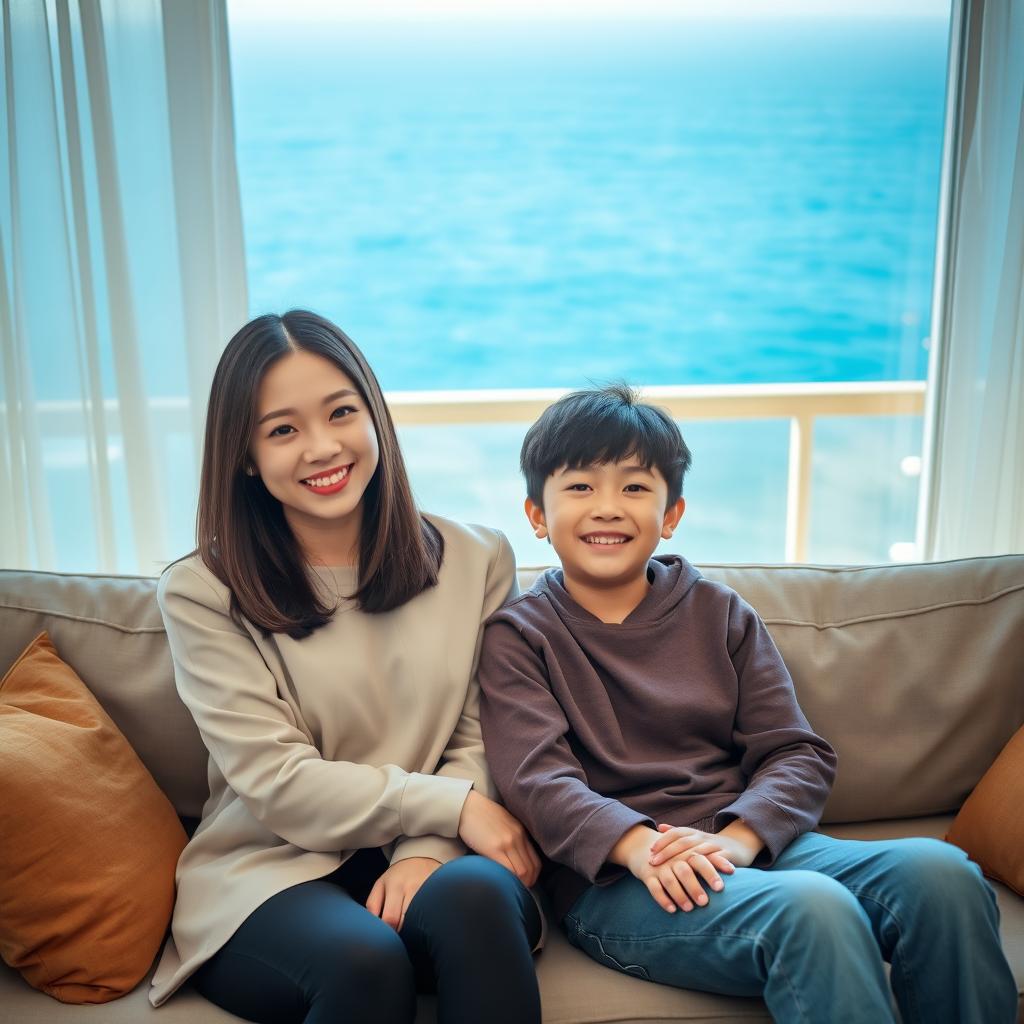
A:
(393, 891)
(488, 829)
(740, 844)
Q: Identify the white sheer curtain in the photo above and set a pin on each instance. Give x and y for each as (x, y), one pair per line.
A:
(122, 274)
(973, 482)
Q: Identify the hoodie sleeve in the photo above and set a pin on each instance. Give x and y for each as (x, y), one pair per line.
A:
(539, 778)
(790, 769)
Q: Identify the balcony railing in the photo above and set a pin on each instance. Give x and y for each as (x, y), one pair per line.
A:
(801, 404)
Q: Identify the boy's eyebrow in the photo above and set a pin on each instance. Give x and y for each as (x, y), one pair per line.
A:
(565, 470)
(292, 412)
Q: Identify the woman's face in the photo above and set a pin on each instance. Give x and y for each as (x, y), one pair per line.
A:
(315, 448)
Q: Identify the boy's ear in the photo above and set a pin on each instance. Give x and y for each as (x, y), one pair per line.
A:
(672, 516)
(536, 516)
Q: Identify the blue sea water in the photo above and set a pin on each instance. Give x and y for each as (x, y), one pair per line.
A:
(532, 204)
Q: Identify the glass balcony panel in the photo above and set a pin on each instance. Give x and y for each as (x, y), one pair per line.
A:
(736, 493)
(864, 489)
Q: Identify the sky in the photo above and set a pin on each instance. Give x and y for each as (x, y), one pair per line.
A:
(266, 11)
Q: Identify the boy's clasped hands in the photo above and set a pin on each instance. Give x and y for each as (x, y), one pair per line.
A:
(676, 863)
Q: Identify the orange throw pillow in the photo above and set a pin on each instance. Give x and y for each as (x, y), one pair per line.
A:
(88, 841)
(990, 825)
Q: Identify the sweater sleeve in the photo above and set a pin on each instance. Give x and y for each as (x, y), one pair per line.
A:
(267, 758)
(789, 768)
(542, 782)
(463, 757)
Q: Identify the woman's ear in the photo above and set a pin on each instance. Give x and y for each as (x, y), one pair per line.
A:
(672, 516)
(536, 516)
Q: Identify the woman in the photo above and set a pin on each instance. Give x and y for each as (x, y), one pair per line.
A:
(324, 637)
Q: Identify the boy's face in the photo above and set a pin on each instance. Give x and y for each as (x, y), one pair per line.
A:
(605, 521)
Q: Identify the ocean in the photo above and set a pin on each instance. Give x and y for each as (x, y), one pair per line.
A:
(533, 204)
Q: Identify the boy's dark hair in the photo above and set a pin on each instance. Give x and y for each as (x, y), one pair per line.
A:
(601, 425)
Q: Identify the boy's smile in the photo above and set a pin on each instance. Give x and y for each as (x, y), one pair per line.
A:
(604, 522)
(604, 538)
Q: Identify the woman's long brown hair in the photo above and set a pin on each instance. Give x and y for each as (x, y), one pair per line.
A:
(242, 534)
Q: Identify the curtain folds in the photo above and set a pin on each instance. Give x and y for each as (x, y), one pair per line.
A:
(122, 274)
(973, 483)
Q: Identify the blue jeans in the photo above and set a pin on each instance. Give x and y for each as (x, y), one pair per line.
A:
(810, 933)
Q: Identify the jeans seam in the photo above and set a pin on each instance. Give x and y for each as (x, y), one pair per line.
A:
(597, 938)
(789, 984)
(759, 942)
(861, 894)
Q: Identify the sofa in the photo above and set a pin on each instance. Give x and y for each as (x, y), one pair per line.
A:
(914, 673)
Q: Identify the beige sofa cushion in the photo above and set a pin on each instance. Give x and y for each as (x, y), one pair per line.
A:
(914, 673)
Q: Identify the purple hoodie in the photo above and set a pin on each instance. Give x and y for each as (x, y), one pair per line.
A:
(683, 713)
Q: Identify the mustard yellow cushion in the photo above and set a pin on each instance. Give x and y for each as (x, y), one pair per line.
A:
(88, 842)
(990, 825)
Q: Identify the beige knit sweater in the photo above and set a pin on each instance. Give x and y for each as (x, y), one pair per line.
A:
(366, 733)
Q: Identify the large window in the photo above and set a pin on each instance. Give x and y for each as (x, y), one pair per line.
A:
(524, 200)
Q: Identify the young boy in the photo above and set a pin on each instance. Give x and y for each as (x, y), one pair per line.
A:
(640, 722)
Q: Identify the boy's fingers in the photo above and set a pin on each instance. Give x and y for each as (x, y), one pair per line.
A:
(669, 833)
(683, 844)
(704, 869)
(660, 854)
(689, 881)
(659, 896)
(721, 861)
(670, 883)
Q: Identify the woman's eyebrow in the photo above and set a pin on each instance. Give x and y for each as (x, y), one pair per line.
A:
(293, 412)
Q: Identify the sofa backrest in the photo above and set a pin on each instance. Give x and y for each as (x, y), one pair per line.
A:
(109, 630)
(914, 673)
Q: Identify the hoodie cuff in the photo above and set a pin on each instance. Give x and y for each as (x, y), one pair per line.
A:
(598, 834)
(770, 822)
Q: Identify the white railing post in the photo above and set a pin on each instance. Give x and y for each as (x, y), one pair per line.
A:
(798, 493)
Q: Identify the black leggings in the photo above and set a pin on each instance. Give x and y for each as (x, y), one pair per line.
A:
(314, 954)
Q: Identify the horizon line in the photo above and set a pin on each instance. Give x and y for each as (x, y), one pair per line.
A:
(386, 11)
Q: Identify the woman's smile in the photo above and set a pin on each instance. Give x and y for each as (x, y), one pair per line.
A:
(329, 481)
